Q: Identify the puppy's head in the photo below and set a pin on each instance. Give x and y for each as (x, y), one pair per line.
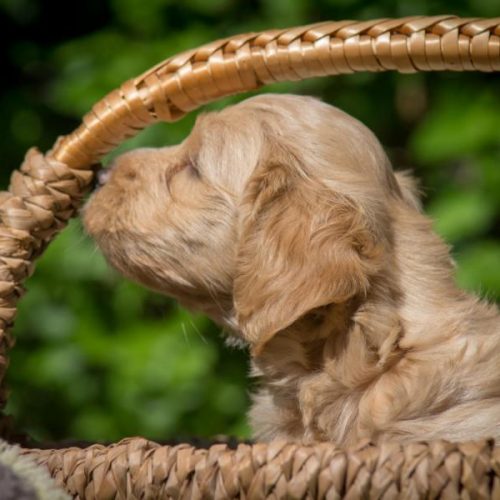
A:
(268, 210)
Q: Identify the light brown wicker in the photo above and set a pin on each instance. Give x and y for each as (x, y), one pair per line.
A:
(47, 190)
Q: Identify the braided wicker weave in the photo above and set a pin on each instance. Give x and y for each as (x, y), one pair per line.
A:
(48, 189)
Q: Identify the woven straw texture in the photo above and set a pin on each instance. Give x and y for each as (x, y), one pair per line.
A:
(48, 189)
(137, 468)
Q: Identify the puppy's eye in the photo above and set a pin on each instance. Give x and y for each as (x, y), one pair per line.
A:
(189, 168)
(192, 170)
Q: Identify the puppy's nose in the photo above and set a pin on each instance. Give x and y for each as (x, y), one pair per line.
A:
(103, 176)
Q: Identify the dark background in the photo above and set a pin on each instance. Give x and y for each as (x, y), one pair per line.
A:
(99, 357)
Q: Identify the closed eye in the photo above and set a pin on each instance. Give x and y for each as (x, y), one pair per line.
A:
(192, 169)
(172, 171)
(188, 166)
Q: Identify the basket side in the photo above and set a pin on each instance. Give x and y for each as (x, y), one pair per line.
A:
(47, 190)
(276, 470)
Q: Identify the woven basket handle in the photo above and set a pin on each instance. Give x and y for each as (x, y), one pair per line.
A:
(47, 190)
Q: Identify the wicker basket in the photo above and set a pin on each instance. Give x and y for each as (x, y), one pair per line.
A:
(48, 189)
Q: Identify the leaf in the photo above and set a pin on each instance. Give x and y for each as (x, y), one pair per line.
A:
(479, 268)
(459, 215)
(459, 124)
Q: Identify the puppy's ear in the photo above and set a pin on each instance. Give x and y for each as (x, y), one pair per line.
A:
(301, 246)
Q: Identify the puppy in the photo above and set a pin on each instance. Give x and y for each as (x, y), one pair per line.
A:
(282, 220)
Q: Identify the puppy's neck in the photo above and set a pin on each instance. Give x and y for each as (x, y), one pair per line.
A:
(430, 305)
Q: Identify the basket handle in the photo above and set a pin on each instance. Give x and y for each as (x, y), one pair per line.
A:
(47, 190)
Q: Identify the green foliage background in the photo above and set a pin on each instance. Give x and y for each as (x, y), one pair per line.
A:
(99, 357)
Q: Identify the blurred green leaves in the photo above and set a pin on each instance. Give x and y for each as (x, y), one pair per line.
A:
(462, 214)
(98, 357)
(463, 121)
(457, 145)
(105, 60)
(478, 268)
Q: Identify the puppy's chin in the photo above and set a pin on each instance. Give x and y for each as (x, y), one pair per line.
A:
(168, 281)
(218, 309)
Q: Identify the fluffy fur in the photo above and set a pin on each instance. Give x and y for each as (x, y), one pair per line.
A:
(281, 218)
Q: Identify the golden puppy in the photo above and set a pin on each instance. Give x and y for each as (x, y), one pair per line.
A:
(282, 220)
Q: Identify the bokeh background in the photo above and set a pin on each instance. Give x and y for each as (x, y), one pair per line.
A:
(99, 357)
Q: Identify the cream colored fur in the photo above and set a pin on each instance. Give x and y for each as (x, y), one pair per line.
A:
(281, 218)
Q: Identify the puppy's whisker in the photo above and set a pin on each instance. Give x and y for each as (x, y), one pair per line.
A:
(212, 294)
(196, 329)
(184, 332)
